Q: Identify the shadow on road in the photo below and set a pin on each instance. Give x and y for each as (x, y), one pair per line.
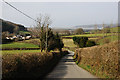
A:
(68, 70)
(62, 68)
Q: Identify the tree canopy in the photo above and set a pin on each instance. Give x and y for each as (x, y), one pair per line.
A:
(79, 31)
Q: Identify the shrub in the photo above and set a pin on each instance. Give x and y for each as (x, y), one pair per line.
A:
(83, 42)
(90, 43)
(54, 41)
(80, 41)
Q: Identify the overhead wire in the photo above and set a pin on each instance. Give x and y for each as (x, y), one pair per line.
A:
(20, 11)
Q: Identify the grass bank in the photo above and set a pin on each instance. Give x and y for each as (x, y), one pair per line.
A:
(103, 60)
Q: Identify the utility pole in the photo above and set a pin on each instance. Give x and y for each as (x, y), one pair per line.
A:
(103, 28)
(111, 25)
(96, 29)
(39, 24)
(47, 36)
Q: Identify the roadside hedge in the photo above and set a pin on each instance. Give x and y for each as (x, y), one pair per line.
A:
(103, 61)
(29, 65)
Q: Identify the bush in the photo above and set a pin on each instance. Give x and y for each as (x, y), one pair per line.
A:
(80, 41)
(83, 42)
(90, 43)
(55, 43)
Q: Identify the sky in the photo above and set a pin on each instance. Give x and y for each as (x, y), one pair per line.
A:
(63, 14)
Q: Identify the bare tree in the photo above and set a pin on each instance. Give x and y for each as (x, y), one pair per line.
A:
(43, 21)
(96, 28)
(103, 26)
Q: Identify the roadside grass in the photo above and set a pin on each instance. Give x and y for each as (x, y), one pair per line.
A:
(19, 45)
(94, 71)
(101, 61)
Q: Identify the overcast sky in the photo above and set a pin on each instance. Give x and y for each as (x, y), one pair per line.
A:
(63, 14)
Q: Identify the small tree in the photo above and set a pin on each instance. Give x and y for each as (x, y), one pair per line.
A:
(79, 31)
(83, 42)
(54, 41)
(59, 43)
(48, 40)
(42, 22)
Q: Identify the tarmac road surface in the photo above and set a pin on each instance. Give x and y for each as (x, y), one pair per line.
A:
(67, 68)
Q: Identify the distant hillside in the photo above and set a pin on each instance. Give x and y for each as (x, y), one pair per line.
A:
(10, 26)
(86, 28)
(99, 26)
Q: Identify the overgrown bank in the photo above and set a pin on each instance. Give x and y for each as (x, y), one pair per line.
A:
(101, 60)
(29, 65)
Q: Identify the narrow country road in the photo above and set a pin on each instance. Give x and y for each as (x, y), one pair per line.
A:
(67, 68)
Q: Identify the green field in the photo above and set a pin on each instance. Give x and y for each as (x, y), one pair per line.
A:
(115, 29)
(69, 43)
(89, 35)
(19, 45)
(107, 39)
(99, 40)
(18, 51)
(31, 40)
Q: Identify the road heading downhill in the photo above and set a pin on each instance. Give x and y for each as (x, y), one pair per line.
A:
(67, 68)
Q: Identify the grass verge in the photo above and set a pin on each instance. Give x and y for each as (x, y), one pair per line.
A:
(101, 60)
